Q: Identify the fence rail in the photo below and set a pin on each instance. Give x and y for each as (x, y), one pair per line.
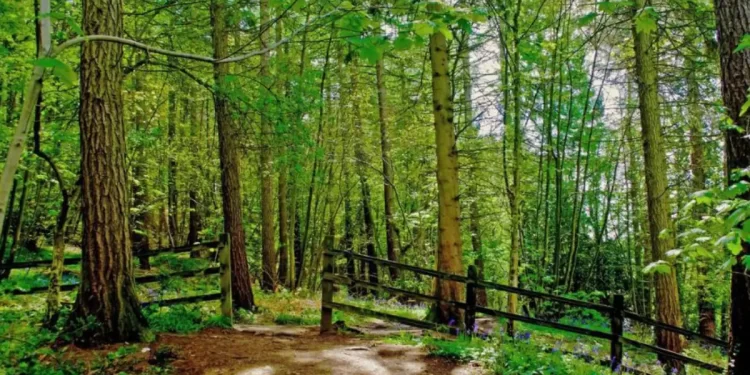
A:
(224, 270)
(616, 311)
(141, 254)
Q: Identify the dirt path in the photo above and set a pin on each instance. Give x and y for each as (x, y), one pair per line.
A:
(266, 350)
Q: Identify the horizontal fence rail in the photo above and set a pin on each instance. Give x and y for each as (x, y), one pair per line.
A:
(141, 254)
(616, 312)
(223, 270)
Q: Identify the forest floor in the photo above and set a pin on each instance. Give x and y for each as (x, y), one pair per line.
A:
(284, 350)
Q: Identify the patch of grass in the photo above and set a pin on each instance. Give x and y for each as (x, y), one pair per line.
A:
(183, 319)
(463, 348)
(298, 320)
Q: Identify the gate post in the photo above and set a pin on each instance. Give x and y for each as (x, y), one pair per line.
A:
(326, 313)
(225, 275)
(618, 306)
(470, 314)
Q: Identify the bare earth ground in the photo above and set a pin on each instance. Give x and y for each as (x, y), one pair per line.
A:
(280, 350)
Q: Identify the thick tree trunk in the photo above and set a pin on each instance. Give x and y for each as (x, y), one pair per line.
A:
(667, 300)
(107, 291)
(449, 212)
(229, 135)
(733, 21)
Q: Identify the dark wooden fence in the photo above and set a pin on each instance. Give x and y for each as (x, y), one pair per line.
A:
(224, 270)
(616, 311)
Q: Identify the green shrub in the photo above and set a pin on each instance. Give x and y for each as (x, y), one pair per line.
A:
(305, 319)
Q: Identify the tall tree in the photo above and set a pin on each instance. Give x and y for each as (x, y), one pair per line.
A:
(667, 300)
(268, 251)
(449, 251)
(229, 135)
(107, 292)
(733, 23)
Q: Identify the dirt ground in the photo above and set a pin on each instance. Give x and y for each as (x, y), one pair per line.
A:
(280, 350)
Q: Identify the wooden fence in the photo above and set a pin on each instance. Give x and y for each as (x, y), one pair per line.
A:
(224, 271)
(616, 311)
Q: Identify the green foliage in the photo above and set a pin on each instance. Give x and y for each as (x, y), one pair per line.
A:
(306, 319)
(183, 319)
(744, 44)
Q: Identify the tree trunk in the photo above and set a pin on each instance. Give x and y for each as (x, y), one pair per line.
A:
(391, 239)
(449, 234)
(706, 311)
(667, 301)
(172, 169)
(733, 21)
(107, 290)
(268, 248)
(368, 224)
(229, 135)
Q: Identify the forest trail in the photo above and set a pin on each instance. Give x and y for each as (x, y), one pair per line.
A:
(285, 350)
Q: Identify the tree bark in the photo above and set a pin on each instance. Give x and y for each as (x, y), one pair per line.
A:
(229, 135)
(733, 22)
(449, 213)
(268, 250)
(667, 301)
(107, 290)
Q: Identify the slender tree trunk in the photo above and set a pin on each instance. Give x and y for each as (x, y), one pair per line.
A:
(172, 168)
(449, 234)
(229, 135)
(733, 22)
(391, 239)
(268, 247)
(107, 291)
(667, 300)
(17, 226)
(706, 311)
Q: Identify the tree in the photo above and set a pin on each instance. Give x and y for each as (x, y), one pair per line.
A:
(107, 292)
(733, 24)
(667, 301)
(449, 251)
(229, 135)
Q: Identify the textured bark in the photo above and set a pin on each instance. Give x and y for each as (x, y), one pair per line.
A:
(449, 212)
(285, 278)
(733, 21)
(268, 250)
(107, 292)
(229, 135)
(667, 300)
(16, 226)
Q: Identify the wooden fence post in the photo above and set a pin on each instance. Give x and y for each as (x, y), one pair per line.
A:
(225, 275)
(616, 323)
(326, 313)
(470, 314)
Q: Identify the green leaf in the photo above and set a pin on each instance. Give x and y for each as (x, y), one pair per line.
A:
(370, 53)
(645, 22)
(346, 5)
(660, 267)
(587, 19)
(745, 107)
(423, 29)
(744, 44)
(402, 43)
(59, 69)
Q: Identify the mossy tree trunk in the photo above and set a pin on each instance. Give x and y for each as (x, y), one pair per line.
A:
(655, 164)
(449, 212)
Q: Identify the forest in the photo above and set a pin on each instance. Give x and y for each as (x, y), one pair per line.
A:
(561, 150)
